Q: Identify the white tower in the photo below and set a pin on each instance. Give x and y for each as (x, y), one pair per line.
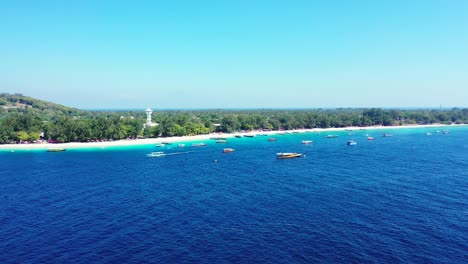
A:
(148, 116)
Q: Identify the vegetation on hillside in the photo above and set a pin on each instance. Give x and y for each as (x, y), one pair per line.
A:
(27, 119)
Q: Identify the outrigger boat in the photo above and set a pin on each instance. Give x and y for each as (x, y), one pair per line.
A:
(56, 149)
(228, 150)
(307, 142)
(287, 155)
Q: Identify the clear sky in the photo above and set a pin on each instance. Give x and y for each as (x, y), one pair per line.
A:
(236, 54)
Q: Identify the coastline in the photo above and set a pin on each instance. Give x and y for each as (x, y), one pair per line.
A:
(149, 141)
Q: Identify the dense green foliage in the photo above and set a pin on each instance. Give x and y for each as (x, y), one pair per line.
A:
(37, 119)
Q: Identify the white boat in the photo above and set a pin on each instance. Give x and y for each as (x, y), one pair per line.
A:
(352, 143)
(428, 134)
(307, 142)
(156, 154)
(198, 144)
(181, 145)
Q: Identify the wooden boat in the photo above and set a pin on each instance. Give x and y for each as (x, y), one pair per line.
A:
(56, 149)
(198, 144)
(387, 135)
(238, 136)
(228, 150)
(332, 136)
(249, 136)
(351, 143)
(307, 142)
(272, 139)
(156, 154)
(288, 155)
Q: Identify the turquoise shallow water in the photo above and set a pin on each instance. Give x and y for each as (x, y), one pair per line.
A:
(395, 199)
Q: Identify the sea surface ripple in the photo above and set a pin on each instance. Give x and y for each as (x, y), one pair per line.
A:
(400, 199)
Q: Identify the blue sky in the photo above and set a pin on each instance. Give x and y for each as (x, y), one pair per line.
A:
(236, 54)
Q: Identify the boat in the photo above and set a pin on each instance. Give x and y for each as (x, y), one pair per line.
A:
(238, 136)
(307, 142)
(428, 134)
(221, 141)
(351, 143)
(445, 132)
(387, 135)
(228, 150)
(262, 135)
(249, 136)
(272, 139)
(160, 145)
(198, 144)
(181, 145)
(438, 131)
(56, 149)
(280, 133)
(332, 136)
(370, 138)
(156, 154)
(295, 132)
(288, 155)
(166, 143)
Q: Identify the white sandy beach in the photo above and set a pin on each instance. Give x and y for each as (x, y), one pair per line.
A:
(198, 138)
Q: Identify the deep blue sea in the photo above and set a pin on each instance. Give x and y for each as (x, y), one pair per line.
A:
(400, 199)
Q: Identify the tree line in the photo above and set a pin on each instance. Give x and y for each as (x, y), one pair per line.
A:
(25, 125)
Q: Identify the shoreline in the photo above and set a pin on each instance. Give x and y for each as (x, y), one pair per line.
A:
(149, 141)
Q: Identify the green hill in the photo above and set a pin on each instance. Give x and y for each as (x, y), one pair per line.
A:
(18, 103)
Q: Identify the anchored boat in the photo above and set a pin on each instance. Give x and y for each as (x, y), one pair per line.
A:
(288, 155)
(307, 142)
(228, 150)
(56, 149)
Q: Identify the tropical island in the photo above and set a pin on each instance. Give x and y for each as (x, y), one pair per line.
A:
(28, 120)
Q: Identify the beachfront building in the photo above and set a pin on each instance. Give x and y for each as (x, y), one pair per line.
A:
(149, 123)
